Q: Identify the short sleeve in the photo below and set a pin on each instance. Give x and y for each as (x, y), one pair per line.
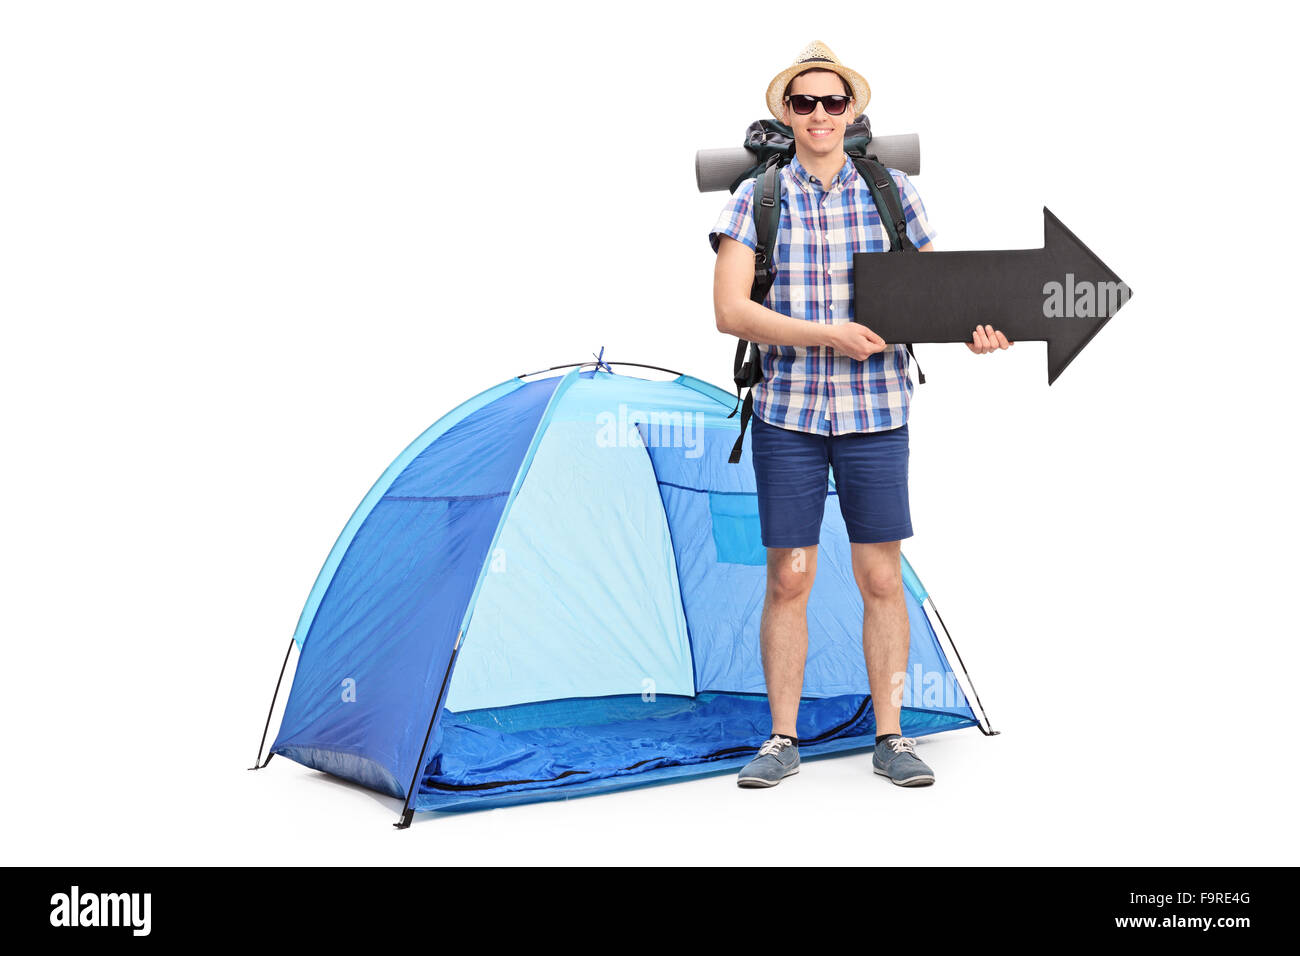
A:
(736, 219)
(918, 225)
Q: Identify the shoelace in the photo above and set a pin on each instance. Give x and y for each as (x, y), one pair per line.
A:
(773, 747)
(902, 744)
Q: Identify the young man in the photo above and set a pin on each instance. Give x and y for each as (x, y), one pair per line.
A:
(834, 395)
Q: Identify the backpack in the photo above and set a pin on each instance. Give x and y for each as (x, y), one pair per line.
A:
(773, 142)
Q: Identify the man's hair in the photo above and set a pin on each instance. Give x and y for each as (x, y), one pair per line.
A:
(848, 90)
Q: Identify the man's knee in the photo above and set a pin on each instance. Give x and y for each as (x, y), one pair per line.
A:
(879, 573)
(790, 573)
(881, 584)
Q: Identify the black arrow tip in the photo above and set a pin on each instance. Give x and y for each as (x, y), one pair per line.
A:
(1103, 293)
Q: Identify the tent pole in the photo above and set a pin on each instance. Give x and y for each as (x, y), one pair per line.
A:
(265, 729)
(990, 732)
(554, 368)
(407, 812)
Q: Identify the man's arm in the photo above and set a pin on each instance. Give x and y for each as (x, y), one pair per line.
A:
(737, 314)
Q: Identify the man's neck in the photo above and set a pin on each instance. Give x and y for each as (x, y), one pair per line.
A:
(825, 168)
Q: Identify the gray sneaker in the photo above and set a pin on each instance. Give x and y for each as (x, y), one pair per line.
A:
(777, 759)
(898, 761)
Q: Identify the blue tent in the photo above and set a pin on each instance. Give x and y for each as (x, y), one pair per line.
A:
(556, 590)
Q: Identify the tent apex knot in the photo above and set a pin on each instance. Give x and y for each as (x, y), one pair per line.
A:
(600, 361)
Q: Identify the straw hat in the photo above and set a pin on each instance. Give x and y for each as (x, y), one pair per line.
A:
(817, 54)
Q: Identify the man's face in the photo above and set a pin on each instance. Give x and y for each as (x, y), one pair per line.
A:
(807, 138)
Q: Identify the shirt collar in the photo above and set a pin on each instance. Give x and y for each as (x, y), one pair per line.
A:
(806, 178)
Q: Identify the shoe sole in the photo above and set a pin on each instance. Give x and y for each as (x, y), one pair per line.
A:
(920, 780)
(758, 783)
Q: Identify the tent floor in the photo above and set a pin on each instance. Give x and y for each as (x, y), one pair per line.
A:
(559, 749)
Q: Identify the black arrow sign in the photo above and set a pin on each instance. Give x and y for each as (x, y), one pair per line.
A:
(1061, 294)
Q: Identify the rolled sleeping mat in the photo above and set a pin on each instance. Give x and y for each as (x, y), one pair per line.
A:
(716, 168)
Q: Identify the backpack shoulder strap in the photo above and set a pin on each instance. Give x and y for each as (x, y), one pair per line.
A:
(766, 208)
(920, 375)
(747, 370)
(885, 192)
(767, 219)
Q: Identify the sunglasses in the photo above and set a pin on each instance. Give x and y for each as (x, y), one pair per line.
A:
(804, 104)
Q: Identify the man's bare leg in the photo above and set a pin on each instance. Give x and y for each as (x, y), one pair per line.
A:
(784, 631)
(886, 633)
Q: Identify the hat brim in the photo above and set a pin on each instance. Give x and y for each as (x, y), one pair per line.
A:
(861, 89)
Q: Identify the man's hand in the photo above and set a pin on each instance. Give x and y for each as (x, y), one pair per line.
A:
(986, 340)
(854, 340)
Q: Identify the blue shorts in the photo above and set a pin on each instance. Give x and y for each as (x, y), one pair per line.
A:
(792, 468)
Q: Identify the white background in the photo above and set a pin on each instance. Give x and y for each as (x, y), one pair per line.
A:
(250, 250)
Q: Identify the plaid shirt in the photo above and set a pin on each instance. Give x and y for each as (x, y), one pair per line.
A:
(810, 388)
